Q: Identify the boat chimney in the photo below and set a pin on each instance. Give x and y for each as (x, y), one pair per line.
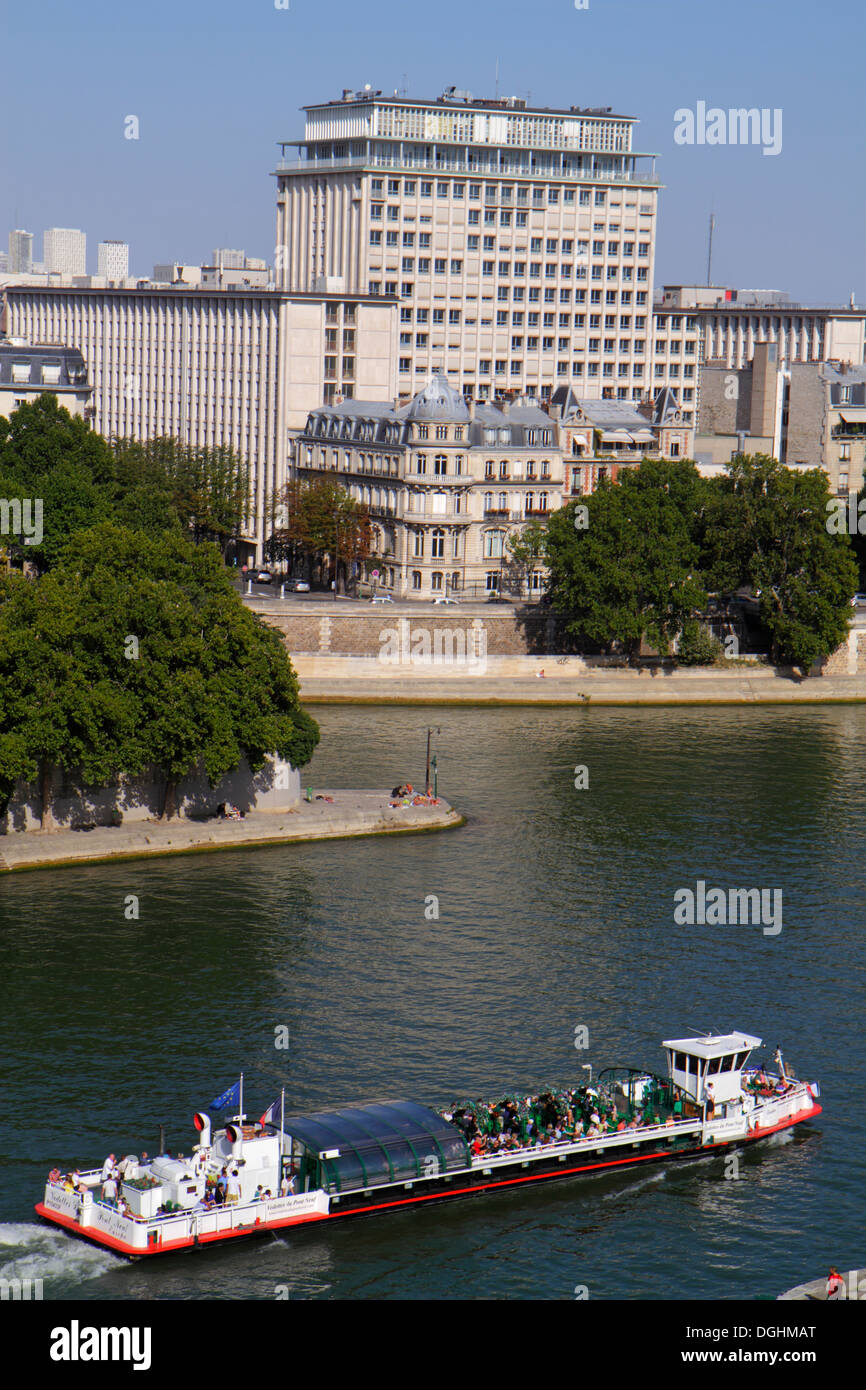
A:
(235, 1136)
(162, 1139)
(202, 1124)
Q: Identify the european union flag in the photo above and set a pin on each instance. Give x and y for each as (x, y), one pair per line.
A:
(229, 1097)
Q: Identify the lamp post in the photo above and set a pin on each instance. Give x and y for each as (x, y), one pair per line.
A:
(427, 778)
(336, 546)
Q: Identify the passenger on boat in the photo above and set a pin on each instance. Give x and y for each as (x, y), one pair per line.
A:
(233, 1187)
(109, 1191)
(54, 1175)
(106, 1168)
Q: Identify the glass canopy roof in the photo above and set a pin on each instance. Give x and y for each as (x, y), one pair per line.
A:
(382, 1142)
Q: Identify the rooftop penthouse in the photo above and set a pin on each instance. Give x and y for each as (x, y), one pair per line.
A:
(461, 133)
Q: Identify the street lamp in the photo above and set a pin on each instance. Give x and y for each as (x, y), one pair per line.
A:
(336, 546)
(427, 778)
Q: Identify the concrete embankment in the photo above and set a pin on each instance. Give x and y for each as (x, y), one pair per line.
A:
(517, 680)
(816, 1290)
(346, 814)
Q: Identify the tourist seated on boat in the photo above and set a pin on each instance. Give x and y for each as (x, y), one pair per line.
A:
(68, 1183)
(54, 1175)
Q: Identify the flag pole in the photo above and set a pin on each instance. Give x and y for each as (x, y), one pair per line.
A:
(241, 1108)
(282, 1118)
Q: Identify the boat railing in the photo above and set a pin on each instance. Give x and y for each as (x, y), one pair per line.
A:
(588, 1142)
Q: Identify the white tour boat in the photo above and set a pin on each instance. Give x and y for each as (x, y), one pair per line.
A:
(286, 1170)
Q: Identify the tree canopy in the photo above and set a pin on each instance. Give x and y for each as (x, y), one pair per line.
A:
(650, 548)
(135, 652)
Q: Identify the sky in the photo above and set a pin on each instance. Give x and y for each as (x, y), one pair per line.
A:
(215, 85)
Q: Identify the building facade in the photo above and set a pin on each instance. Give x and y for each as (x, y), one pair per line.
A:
(445, 482)
(600, 438)
(112, 260)
(28, 370)
(520, 241)
(64, 251)
(805, 414)
(240, 368)
(20, 258)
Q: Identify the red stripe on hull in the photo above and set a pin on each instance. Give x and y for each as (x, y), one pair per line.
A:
(260, 1228)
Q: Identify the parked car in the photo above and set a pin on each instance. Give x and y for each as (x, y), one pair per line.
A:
(443, 600)
(381, 598)
(264, 577)
(858, 601)
(297, 586)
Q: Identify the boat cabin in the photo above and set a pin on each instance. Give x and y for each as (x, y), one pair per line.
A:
(717, 1060)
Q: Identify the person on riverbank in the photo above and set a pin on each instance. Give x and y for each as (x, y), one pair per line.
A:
(835, 1285)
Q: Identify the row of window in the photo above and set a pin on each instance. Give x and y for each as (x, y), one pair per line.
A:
(539, 195)
(502, 367)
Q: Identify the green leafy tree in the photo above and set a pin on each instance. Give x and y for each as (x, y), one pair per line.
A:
(631, 573)
(324, 520)
(204, 490)
(169, 669)
(60, 707)
(52, 458)
(769, 530)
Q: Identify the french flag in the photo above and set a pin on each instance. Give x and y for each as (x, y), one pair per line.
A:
(271, 1115)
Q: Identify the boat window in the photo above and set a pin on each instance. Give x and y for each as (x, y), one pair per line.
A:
(740, 1060)
(681, 1061)
(715, 1066)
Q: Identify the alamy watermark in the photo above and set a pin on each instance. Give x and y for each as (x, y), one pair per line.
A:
(847, 515)
(22, 517)
(704, 906)
(736, 126)
(405, 645)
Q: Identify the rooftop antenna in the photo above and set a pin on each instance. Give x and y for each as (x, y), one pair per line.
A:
(496, 93)
(710, 250)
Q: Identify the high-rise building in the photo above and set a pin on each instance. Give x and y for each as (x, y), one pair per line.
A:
(520, 240)
(211, 367)
(112, 260)
(20, 252)
(64, 251)
(228, 259)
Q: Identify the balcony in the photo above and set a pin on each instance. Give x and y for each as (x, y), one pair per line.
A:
(479, 168)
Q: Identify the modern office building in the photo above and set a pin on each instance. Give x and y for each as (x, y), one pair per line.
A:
(520, 240)
(211, 367)
(445, 482)
(64, 252)
(229, 258)
(20, 259)
(112, 260)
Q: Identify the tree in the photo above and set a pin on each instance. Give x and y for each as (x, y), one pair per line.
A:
(59, 707)
(526, 548)
(770, 531)
(632, 572)
(136, 652)
(206, 489)
(53, 463)
(324, 520)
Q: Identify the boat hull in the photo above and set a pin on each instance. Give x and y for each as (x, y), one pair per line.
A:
(466, 1183)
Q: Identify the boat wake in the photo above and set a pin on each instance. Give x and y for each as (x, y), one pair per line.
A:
(28, 1251)
(633, 1187)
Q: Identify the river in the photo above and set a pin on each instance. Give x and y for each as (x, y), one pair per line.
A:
(555, 911)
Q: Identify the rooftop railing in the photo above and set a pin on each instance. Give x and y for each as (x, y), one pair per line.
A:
(486, 169)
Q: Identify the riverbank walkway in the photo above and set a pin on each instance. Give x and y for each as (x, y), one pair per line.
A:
(332, 679)
(344, 814)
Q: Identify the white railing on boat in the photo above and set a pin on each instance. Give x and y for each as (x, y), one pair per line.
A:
(587, 1144)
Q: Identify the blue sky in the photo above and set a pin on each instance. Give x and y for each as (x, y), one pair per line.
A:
(215, 85)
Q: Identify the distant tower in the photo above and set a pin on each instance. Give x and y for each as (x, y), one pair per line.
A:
(20, 252)
(64, 251)
(112, 260)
